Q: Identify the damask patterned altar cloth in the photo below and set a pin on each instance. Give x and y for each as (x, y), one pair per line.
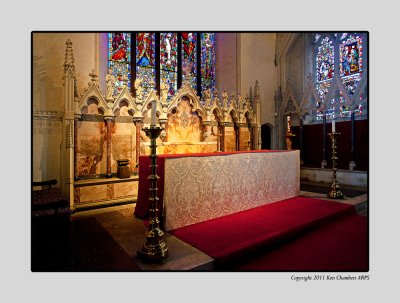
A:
(200, 187)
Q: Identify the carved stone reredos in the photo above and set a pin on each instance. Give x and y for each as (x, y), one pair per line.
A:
(125, 95)
(216, 110)
(93, 92)
(187, 91)
(149, 98)
(218, 113)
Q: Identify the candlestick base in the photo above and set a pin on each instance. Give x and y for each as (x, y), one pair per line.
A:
(155, 249)
(335, 192)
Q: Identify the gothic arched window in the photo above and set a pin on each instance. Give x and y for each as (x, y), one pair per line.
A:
(159, 57)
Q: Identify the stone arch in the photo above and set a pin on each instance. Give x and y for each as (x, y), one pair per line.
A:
(234, 116)
(93, 95)
(266, 136)
(123, 108)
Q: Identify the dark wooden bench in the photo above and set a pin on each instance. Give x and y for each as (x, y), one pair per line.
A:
(49, 201)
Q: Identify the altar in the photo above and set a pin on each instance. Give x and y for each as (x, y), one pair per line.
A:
(193, 188)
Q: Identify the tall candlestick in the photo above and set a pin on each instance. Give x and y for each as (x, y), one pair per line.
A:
(153, 112)
(333, 126)
(155, 249)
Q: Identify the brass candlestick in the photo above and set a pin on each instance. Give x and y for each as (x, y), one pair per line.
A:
(289, 140)
(155, 249)
(335, 192)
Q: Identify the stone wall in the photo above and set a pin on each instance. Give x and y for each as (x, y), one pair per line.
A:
(48, 55)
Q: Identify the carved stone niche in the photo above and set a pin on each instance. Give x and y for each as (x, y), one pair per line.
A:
(184, 131)
(184, 125)
(91, 111)
(123, 113)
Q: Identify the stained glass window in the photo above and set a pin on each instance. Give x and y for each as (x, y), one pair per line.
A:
(160, 58)
(324, 66)
(145, 60)
(350, 52)
(189, 53)
(359, 110)
(169, 61)
(207, 60)
(330, 113)
(348, 48)
(119, 58)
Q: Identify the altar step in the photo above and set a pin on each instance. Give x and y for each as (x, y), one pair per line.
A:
(341, 245)
(233, 240)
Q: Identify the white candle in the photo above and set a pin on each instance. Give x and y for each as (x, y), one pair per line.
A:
(153, 112)
(333, 126)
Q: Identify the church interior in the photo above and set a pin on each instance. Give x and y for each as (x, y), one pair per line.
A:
(199, 151)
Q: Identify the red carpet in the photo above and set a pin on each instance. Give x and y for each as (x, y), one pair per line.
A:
(341, 245)
(229, 238)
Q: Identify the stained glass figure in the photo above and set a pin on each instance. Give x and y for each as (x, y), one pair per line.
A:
(344, 112)
(169, 61)
(324, 66)
(119, 57)
(189, 53)
(207, 61)
(350, 54)
(145, 60)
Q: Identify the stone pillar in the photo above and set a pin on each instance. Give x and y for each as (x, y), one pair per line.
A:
(254, 136)
(219, 137)
(222, 134)
(68, 160)
(67, 151)
(108, 120)
(352, 163)
(207, 130)
(324, 163)
(301, 141)
(256, 96)
(139, 125)
(76, 119)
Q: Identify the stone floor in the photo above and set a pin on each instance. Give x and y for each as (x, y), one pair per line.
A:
(107, 239)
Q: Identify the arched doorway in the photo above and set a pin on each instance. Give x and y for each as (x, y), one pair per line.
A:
(266, 137)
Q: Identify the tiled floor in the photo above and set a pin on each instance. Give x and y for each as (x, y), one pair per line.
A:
(108, 239)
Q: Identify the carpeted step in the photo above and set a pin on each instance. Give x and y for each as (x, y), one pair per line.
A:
(230, 237)
(341, 245)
